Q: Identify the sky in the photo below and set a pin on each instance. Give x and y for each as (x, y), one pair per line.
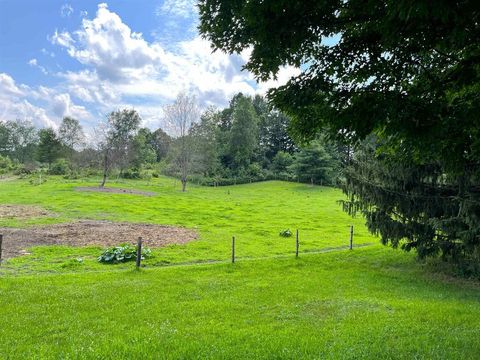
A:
(87, 58)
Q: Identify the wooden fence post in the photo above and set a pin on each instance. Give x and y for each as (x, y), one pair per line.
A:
(139, 252)
(351, 237)
(233, 249)
(296, 245)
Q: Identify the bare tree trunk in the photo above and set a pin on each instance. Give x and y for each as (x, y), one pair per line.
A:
(184, 184)
(105, 170)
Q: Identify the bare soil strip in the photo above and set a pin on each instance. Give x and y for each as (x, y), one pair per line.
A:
(115, 191)
(89, 232)
(23, 212)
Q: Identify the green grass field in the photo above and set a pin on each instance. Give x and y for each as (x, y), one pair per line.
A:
(372, 302)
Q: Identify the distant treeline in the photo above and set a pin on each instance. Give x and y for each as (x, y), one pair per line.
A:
(245, 142)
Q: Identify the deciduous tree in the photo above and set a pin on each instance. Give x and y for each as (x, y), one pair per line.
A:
(404, 73)
(182, 114)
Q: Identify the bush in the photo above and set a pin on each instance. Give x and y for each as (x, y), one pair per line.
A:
(25, 169)
(131, 174)
(59, 167)
(122, 253)
(285, 233)
(37, 177)
(5, 163)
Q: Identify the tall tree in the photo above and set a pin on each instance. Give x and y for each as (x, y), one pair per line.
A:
(49, 146)
(205, 143)
(404, 72)
(160, 142)
(273, 132)
(18, 140)
(116, 136)
(71, 133)
(182, 114)
(141, 149)
(243, 133)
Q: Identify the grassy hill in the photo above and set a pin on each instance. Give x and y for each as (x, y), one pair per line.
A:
(372, 302)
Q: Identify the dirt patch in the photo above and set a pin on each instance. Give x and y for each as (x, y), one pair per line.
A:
(99, 233)
(22, 212)
(115, 191)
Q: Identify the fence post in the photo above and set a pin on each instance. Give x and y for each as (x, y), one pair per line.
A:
(139, 252)
(233, 249)
(1, 242)
(351, 237)
(296, 245)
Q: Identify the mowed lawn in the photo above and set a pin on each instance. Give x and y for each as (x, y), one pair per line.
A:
(370, 303)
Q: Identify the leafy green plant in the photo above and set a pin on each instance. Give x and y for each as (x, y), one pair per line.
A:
(122, 253)
(285, 233)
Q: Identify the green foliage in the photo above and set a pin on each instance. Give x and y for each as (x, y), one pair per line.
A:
(315, 165)
(417, 207)
(49, 147)
(282, 165)
(243, 133)
(405, 72)
(6, 165)
(59, 167)
(18, 140)
(286, 233)
(122, 253)
(37, 177)
(71, 133)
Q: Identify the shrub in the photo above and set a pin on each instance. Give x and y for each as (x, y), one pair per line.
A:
(131, 174)
(37, 177)
(5, 163)
(59, 167)
(285, 233)
(26, 169)
(122, 253)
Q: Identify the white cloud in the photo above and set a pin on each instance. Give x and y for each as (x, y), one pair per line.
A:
(180, 8)
(124, 60)
(18, 102)
(121, 68)
(8, 88)
(34, 62)
(66, 10)
(48, 53)
(63, 39)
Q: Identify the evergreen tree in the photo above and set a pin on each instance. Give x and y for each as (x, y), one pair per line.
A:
(49, 146)
(313, 164)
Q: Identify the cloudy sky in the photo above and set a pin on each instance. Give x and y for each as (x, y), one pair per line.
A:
(86, 58)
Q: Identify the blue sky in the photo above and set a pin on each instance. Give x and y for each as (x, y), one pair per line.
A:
(87, 58)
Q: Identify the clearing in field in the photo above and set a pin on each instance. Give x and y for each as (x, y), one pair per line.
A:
(96, 233)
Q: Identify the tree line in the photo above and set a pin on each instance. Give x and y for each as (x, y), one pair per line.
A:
(244, 142)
